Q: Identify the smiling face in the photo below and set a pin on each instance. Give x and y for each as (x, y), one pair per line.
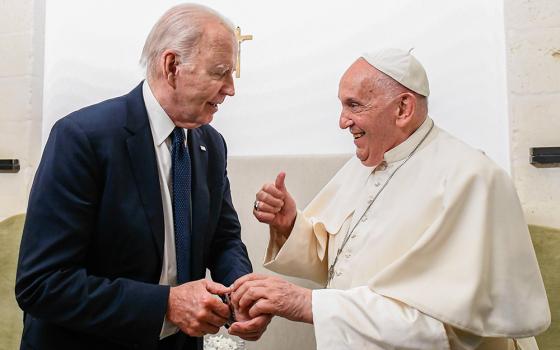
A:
(206, 79)
(369, 112)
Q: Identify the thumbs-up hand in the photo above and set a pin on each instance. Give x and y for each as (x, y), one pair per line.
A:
(275, 206)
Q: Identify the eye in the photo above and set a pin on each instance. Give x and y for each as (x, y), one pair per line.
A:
(354, 106)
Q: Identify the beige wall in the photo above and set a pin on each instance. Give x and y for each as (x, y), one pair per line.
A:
(21, 79)
(533, 70)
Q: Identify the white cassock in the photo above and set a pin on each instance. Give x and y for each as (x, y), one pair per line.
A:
(441, 259)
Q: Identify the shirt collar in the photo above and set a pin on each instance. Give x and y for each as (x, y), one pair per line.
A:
(402, 150)
(161, 124)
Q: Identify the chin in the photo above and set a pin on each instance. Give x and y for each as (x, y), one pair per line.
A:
(366, 163)
(365, 160)
(361, 157)
(207, 120)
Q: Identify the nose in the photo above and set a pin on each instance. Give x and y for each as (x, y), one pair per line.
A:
(228, 88)
(345, 121)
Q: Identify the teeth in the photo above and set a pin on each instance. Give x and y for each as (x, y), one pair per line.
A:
(357, 136)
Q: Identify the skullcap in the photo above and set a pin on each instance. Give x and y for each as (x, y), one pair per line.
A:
(401, 66)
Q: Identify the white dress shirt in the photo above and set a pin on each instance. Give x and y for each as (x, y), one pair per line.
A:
(162, 127)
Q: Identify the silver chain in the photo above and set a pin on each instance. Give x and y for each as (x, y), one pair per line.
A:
(349, 233)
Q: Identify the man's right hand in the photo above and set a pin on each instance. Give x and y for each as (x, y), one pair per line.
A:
(195, 310)
(276, 206)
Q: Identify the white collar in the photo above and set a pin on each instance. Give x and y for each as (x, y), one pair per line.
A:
(161, 124)
(402, 150)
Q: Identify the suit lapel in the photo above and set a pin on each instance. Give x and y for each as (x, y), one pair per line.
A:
(200, 196)
(144, 165)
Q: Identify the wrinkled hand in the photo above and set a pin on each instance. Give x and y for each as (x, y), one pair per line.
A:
(276, 206)
(263, 295)
(250, 329)
(195, 310)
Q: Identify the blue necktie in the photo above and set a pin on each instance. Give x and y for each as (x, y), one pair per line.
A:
(181, 169)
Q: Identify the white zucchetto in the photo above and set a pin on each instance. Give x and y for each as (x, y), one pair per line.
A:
(401, 66)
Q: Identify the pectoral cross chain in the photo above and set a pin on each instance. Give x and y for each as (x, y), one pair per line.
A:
(330, 274)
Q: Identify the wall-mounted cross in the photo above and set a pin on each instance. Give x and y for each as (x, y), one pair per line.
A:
(240, 39)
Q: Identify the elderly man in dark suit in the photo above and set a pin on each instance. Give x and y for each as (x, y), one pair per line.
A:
(131, 204)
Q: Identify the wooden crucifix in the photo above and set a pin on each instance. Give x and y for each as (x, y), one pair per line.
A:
(240, 39)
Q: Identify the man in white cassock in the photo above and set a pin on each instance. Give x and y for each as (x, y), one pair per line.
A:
(420, 239)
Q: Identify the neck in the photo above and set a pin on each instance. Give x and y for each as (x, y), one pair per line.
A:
(163, 94)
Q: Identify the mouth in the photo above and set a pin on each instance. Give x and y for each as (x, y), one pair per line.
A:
(215, 105)
(358, 135)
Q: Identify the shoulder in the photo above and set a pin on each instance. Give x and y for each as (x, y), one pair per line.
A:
(106, 120)
(460, 161)
(106, 114)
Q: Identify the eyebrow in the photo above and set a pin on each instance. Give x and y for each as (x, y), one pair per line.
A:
(222, 66)
(348, 100)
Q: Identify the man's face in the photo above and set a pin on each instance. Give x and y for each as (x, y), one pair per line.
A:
(369, 114)
(206, 79)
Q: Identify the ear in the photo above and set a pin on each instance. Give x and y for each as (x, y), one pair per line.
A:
(169, 69)
(405, 109)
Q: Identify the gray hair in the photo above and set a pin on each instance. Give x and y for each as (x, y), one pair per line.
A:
(179, 30)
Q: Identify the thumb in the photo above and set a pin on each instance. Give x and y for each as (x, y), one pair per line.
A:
(216, 288)
(279, 183)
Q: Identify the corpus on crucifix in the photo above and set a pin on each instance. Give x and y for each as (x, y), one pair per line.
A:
(240, 39)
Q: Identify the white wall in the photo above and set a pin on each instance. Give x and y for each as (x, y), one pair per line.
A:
(286, 100)
(533, 52)
(21, 78)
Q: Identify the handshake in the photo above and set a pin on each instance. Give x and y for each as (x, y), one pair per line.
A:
(251, 302)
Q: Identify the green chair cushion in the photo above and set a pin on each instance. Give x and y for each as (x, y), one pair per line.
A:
(547, 246)
(11, 322)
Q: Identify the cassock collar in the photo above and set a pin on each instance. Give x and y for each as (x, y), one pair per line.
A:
(402, 150)
(161, 124)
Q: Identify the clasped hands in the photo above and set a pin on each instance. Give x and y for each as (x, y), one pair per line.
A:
(195, 309)
(255, 299)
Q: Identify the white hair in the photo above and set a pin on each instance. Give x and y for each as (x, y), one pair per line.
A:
(390, 88)
(179, 30)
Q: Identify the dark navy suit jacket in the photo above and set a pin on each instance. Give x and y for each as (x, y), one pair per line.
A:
(91, 253)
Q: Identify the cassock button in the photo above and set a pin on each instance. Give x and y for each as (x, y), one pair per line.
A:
(377, 184)
(364, 219)
(347, 255)
(338, 273)
(353, 235)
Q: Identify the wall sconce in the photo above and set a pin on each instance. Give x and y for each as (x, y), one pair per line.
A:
(545, 157)
(9, 165)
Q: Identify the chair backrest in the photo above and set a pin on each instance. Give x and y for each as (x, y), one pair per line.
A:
(547, 246)
(11, 322)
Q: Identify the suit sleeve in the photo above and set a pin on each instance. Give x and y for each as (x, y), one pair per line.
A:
(229, 259)
(53, 283)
